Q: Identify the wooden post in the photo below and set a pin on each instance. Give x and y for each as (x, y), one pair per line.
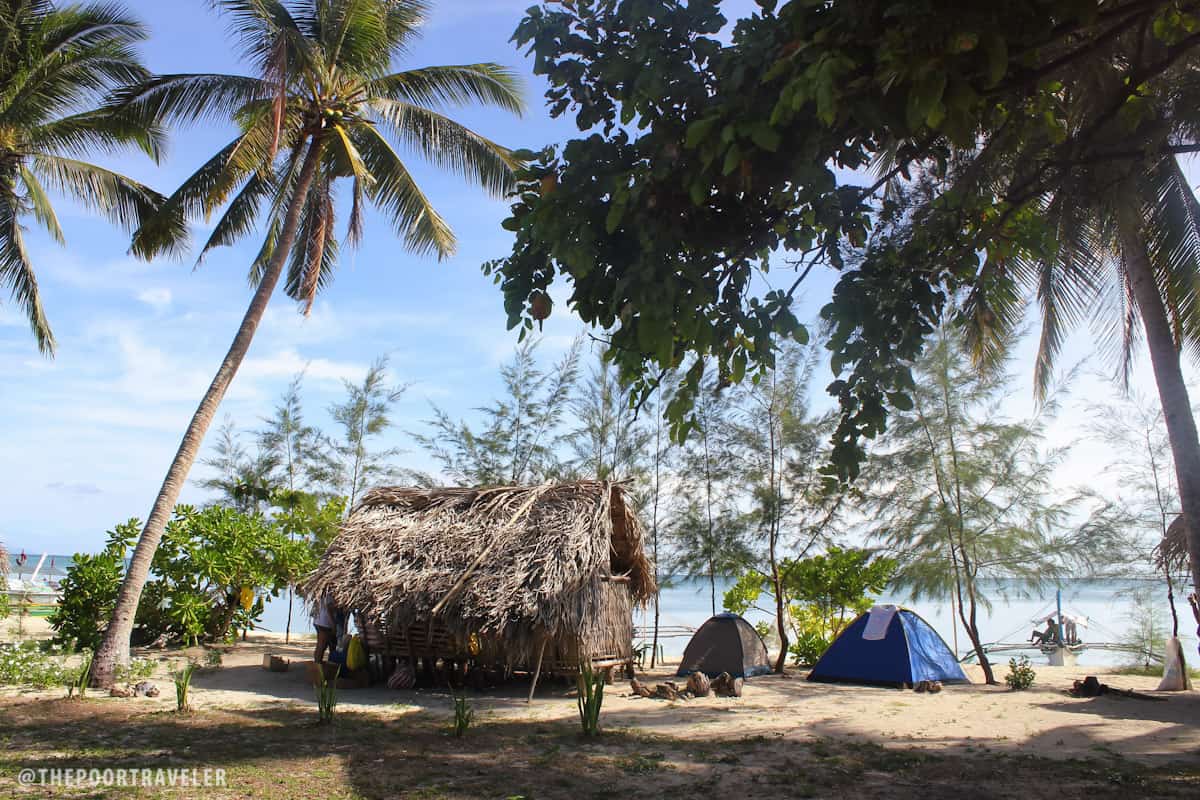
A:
(537, 671)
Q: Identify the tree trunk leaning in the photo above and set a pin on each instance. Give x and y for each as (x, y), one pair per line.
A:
(1172, 391)
(114, 647)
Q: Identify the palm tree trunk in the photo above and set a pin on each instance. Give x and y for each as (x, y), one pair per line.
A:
(114, 647)
(1172, 391)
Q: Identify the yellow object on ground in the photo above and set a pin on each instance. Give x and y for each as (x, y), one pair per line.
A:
(356, 656)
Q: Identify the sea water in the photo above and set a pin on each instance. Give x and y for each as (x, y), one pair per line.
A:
(1108, 606)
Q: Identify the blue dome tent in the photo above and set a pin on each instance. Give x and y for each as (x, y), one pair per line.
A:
(888, 645)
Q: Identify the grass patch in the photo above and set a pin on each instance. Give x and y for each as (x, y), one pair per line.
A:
(283, 753)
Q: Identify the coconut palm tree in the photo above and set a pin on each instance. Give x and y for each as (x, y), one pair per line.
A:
(1125, 225)
(57, 65)
(323, 109)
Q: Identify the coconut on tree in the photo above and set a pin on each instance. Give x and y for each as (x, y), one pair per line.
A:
(57, 69)
(323, 109)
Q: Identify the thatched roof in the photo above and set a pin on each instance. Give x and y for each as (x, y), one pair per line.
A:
(1172, 551)
(499, 561)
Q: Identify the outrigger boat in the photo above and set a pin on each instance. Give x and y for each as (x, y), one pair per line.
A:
(1060, 642)
(36, 595)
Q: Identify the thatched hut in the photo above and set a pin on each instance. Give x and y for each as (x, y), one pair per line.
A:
(510, 576)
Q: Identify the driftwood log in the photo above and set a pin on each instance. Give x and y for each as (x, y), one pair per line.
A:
(698, 685)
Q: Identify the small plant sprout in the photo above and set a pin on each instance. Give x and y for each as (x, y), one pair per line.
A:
(183, 683)
(1020, 675)
(77, 687)
(326, 693)
(590, 698)
(463, 715)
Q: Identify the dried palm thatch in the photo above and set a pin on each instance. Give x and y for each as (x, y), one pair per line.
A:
(1171, 554)
(507, 568)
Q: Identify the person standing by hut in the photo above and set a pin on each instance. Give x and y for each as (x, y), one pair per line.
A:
(326, 618)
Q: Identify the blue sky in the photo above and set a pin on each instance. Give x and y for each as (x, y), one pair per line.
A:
(86, 437)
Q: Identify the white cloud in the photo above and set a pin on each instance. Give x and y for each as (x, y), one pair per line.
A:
(158, 298)
(287, 363)
(74, 488)
(10, 318)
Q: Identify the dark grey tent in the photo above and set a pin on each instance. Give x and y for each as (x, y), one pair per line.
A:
(726, 643)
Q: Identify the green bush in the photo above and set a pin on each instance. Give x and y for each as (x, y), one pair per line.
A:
(1020, 675)
(209, 577)
(89, 590)
(823, 594)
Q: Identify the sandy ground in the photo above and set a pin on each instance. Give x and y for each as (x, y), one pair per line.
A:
(13, 628)
(1044, 720)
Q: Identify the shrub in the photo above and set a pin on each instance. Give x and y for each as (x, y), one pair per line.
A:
(89, 589)
(1020, 674)
(822, 593)
(208, 577)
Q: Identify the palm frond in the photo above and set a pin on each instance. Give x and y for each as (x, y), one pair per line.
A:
(396, 193)
(120, 199)
(1172, 222)
(66, 55)
(285, 188)
(991, 313)
(450, 145)
(455, 85)
(314, 255)
(240, 216)
(259, 26)
(16, 271)
(166, 231)
(1068, 283)
(404, 21)
(354, 35)
(96, 130)
(188, 98)
(43, 211)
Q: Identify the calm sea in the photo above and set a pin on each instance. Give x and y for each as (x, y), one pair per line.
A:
(1108, 605)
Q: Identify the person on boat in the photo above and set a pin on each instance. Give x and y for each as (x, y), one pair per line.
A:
(1071, 631)
(1048, 636)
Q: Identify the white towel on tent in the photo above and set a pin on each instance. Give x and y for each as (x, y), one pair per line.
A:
(878, 621)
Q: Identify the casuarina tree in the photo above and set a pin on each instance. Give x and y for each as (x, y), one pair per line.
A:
(323, 109)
